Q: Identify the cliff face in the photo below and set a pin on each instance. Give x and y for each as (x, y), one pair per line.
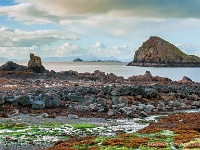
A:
(158, 52)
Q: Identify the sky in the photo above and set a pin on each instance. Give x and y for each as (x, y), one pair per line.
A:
(103, 28)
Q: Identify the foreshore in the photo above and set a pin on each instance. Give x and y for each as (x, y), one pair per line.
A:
(94, 95)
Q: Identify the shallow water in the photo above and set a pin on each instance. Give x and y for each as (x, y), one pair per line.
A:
(120, 69)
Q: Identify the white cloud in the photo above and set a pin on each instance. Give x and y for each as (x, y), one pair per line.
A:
(18, 52)
(68, 49)
(20, 38)
(122, 52)
(99, 45)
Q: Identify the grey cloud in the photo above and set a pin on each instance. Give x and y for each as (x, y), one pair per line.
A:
(145, 8)
(44, 11)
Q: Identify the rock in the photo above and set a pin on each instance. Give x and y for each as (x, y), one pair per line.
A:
(100, 94)
(186, 80)
(51, 102)
(149, 108)
(38, 105)
(161, 106)
(196, 103)
(115, 100)
(13, 102)
(74, 98)
(123, 100)
(45, 115)
(143, 114)
(153, 52)
(101, 101)
(35, 64)
(149, 93)
(111, 112)
(73, 116)
(23, 100)
(92, 99)
(1, 101)
(11, 66)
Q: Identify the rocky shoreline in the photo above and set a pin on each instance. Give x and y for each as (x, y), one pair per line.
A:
(160, 64)
(74, 95)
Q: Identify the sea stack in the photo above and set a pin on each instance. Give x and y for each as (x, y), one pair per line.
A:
(35, 64)
(156, 52)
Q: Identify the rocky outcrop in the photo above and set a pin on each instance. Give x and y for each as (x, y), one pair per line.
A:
(156, 52)
(35, 64)
(11, 66)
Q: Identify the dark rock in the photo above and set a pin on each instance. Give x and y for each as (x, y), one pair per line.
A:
(11, 66)
(149, 93)
(23, 100)
(38, 105)
(74, 98)
(77, 60)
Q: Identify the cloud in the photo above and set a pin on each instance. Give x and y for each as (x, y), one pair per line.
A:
(122, 52)
(68, 49)
(18, 52)
(45, 11)
(20, 38)
(99, 45)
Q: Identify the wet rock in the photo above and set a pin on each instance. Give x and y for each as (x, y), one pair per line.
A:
(38, 105)
(23, 100)
(149, 93)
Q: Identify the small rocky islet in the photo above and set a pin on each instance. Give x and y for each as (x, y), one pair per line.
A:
(35, 90)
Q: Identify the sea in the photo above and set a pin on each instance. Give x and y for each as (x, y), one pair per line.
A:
(120, 69)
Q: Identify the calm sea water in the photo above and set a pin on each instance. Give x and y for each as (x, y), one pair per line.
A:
(120, 69)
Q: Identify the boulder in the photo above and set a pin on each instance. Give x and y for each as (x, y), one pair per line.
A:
(38, 105)
(22, 100)
(186, 80)
(35, 64)
(74, 97)
(101, 101)
(1, 101)
(149, 93)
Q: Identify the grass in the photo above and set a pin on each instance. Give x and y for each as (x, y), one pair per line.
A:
(83, 126)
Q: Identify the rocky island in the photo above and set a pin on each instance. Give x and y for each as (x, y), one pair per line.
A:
(77, 60)
(156, 52)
